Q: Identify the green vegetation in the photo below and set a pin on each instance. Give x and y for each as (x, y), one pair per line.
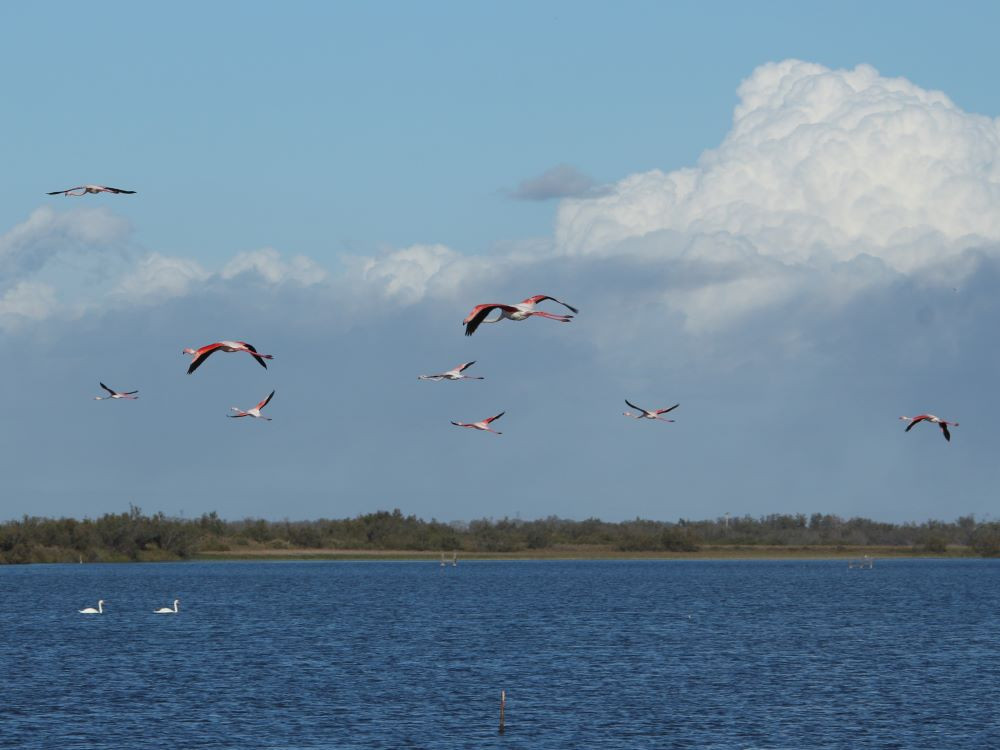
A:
(134, 536)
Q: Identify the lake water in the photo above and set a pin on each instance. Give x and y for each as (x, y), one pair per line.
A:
(623, 654)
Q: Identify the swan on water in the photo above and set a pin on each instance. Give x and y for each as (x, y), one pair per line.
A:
(167, 610)
(92, 611)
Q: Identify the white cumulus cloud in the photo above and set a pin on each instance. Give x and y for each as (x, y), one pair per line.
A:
(819, 161)
(26, 300)
(407, 275)
(159, 277)
(268, 264)
(47, 233)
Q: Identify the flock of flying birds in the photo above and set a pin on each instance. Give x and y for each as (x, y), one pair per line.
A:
(479, 315)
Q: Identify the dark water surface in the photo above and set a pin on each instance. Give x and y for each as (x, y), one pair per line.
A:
(657, 654)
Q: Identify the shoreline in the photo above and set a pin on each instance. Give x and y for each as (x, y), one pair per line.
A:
(593, 552)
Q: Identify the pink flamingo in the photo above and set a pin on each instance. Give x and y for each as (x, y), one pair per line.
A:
(200, 355)
(647, 413)
(254, 412)
(930, 418)
(521, 311)
(453, 374)
(483, 425)
(116, 394)
(84, 189)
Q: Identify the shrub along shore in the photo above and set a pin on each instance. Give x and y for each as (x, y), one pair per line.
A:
(134, 536)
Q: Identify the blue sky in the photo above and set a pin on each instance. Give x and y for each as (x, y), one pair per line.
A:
(340, 184)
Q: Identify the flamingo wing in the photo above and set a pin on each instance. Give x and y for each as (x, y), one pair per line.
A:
(130, 393)
(117, 190)
(201, 355)
(253, 353)
(107, 389)
(541, 297)
(264, 403)
(478, 315)
(490, 419)
(462, 367)
(916, 420)
(944, 429)
(633, 405)
(63, 192)
(664, 411)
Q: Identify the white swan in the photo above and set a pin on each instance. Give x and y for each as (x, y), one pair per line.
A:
(167, 610)
(92, 611)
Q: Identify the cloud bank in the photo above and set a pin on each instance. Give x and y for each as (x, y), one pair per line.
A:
(829, 182)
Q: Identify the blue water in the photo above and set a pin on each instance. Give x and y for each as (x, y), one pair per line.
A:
(644, 654)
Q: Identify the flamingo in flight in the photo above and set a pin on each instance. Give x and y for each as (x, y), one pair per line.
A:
(483, 425)
(453, 374)
(648, 413)
(254, 412)
(116, 394)
(200, 355)
(84, 189)
(930, 418)
(521, 311)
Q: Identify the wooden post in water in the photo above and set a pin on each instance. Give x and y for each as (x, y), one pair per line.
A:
(503, 702)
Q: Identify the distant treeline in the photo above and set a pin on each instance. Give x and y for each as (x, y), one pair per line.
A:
(135, 536)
